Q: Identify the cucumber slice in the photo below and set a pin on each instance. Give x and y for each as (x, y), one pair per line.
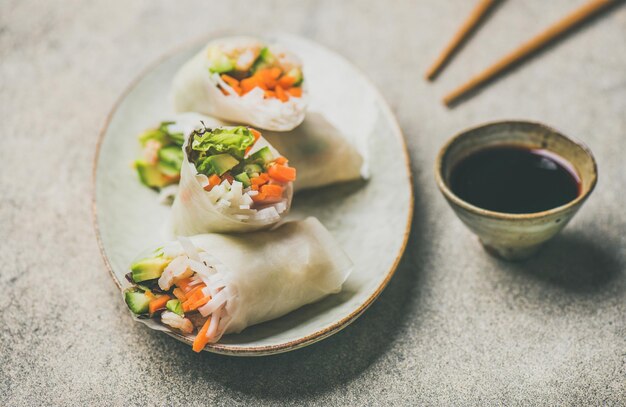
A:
(263, 156)
(244, 179)
(175, 306)
(171, 155)
(137, 301)
(252, 169)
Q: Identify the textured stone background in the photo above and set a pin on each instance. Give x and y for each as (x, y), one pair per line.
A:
(454, 327)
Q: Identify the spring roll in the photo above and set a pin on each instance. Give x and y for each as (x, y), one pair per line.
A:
(322, 155)
(243, 80)
(214, 284)
(232, 180)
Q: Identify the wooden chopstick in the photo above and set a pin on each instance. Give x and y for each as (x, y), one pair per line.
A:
(479, 11)
(560, 27)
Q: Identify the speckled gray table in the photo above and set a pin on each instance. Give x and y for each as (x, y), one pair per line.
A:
(454, 327)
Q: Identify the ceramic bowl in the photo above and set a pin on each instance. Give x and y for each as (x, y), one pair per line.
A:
(506, 235)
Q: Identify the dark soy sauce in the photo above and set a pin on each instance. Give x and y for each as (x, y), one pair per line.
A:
(515, 179)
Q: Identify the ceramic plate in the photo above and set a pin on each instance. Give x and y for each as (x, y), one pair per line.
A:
(369, 219)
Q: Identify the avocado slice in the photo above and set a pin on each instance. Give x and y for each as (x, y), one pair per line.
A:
(137, 301)
(244, 179)
(148, 269)
(150, 175)
(263, 156)
(175, 306)
(217, 164)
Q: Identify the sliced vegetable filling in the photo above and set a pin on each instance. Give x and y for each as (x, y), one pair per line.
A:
(181, 292)
(241, 69)
(162, 155)
(243, 180)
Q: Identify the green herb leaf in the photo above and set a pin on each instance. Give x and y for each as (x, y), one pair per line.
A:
(233, 141)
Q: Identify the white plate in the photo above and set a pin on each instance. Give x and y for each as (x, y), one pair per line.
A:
(370, 220)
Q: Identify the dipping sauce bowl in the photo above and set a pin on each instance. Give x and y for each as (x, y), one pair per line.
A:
(515, 236)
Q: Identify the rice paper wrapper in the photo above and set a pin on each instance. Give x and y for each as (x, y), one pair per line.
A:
(194, 212)
(194, 89)
(321, 154)
(271, 273)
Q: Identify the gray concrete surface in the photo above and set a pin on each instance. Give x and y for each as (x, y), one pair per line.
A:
(454, 327)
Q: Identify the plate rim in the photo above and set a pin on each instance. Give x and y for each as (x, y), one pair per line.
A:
(234, 350)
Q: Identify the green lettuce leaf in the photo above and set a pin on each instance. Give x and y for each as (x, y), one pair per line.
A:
(233, 141)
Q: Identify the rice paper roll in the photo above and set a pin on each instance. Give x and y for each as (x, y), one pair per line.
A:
(232, 180)
(214, 284)
(243, 80)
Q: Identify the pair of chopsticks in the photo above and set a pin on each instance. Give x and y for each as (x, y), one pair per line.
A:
(557, 29)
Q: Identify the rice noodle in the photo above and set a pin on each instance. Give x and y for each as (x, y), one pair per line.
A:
(189, 248)
(215, 320)
(215, 302)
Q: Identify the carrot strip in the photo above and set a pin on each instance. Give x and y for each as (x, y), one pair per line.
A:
(270, 94)
(184, 284)
(255, 133)
(158, 303)
(295, 92)
(248, 84)
(275, 72)
(191, 300)
(268, 193)
(280, 94)
(287, 81)
(263, 198)
(281, 160)
(214, 180)
(201, 339)
(195, 290)
(260, 180)
(230, 80)
(260, 197)
(252, 82)
(180, 294)
(199, 303)
(267, 77)
(282, 173)
(272, 190)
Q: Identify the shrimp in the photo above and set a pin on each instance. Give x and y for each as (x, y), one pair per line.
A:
(151, 151)
(176, 270)
(174, 320)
